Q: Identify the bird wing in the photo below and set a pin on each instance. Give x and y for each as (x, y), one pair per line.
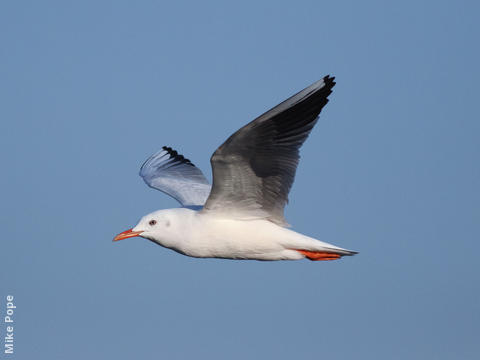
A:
(173, 174)
(254, 169)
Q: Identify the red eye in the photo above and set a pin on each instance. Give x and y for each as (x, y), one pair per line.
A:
(152, 222)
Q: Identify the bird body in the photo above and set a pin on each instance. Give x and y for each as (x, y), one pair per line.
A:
(239, 216)
(205, 235)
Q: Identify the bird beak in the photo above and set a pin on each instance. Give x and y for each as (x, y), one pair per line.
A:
(127, 234)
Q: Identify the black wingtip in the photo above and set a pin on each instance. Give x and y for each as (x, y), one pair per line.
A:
(329, 81)
(176, 156)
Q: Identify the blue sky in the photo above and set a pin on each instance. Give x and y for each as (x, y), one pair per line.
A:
(90, 89)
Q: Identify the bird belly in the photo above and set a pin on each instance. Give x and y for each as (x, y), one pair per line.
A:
(239, 239)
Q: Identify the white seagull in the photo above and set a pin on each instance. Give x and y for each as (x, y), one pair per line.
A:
(240, 216)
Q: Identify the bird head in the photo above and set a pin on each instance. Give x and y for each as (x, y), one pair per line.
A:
(162, 226)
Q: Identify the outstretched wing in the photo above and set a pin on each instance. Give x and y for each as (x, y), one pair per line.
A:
(254, 169)
(176, 176)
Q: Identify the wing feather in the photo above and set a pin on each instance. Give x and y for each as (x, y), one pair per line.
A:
(254, 169)
(173, 174)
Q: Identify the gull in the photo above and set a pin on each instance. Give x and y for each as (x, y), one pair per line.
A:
(241, 215)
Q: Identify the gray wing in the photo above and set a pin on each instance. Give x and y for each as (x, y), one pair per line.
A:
(254, 169)
(176, 176)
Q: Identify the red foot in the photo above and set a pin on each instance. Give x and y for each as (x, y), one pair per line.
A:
(319, 255)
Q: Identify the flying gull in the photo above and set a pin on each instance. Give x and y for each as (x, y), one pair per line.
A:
(239, 216)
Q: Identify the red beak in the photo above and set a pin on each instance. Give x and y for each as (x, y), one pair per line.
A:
(127, 234)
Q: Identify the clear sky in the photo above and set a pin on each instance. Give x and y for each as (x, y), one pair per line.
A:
(90, 89)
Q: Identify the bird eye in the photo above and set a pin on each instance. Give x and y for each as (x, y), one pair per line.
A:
(152, 222)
